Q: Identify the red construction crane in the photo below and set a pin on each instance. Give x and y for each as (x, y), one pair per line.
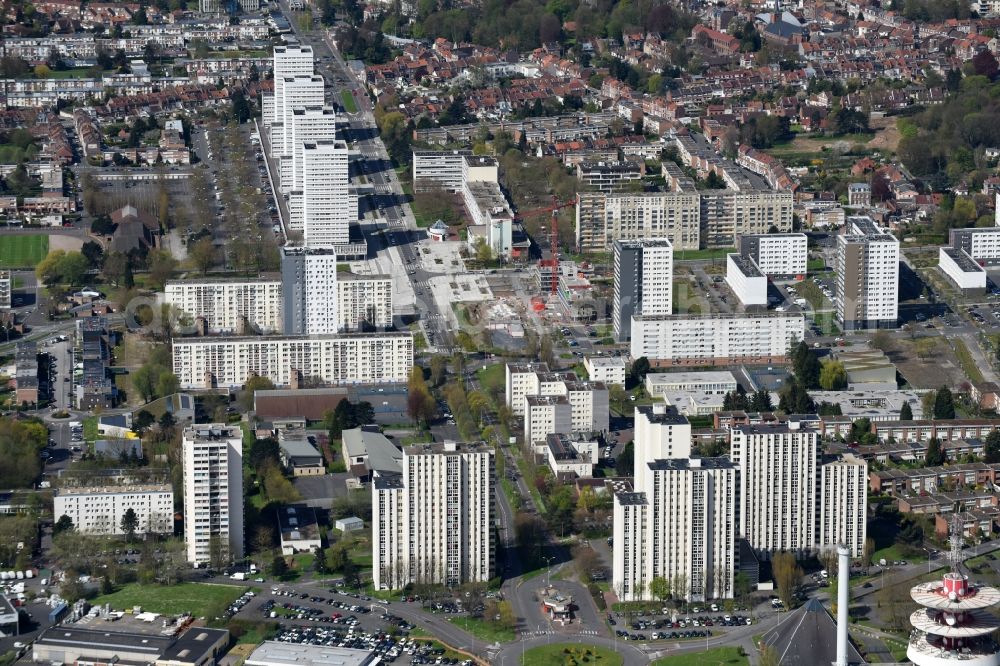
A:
(553, 233)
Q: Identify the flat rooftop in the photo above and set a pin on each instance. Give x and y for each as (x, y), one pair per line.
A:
(703, 377)
(661, 414)
(965, 263)
(745, 265)
(276, 653)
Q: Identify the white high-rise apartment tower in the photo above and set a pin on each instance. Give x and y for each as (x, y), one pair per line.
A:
(328, 207)
(843, 504)
(309, 291)
(644, 273)
(298, 92)
(779, 475)
(680, 523)
(867, 276)
(289, 61)
(307, 125)
(213, 492)
(434, 522)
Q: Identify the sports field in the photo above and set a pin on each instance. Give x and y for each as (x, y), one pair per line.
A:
(22, 250)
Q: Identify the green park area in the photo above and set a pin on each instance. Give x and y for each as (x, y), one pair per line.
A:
(570, 654)
(23, 250)
(200, 599)
(720, 656)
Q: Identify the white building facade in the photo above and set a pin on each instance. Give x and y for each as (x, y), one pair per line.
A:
(715, 338)
(328, 207)
(777, 255)
(779, 476)
(843, 504)
(100, 510)
(351, 358)
(643, 282)
(224, 304)
(212, 458)
(746, 280)
(867, 270)
(434, 522)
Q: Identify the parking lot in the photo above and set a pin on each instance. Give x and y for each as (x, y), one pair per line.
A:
(672, 626)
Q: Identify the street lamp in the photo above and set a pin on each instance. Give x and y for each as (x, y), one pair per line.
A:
(548, 569)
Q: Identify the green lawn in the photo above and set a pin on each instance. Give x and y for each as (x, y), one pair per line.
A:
(484, 630)
(90, 428)
(197, 598)
(349, 104)
(570, 654)
(75, 73)
(714, 253)
(23, 250)
(968, 364)
(493, 377)
(720, 656)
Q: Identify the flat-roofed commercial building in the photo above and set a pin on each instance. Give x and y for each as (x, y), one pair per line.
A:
(963, 270)
(277, 653)
(746, 280)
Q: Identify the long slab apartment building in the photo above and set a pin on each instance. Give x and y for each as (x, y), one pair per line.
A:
(349, 358)
(688, 219)
(296, 302)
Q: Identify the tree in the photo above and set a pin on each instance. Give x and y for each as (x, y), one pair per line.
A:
(279, 567)
(659, 587)
(992, 447)
(319, 560)
(881, 340)
(144, 382)
(787, 574)
(906, 412)
(129, 524)
(806, 365)
(161, 268)
(935, 455)
(420, 402)
(983, 64)
(254, 384)
(545, 351)
(438, 365)
(64, 524)
(61, 267)
(625, 464)
(639, 370)
(143, 419)
(944, 404)
(832, 375)
(93, 253)
(167, 384)
(202, 254)
(760, 401)
(167, 422)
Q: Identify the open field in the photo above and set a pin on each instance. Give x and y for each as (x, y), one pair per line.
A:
(22, 250)
(721, 656)
(197, 598)
(918, 372)
(570, 654)
(484, 630)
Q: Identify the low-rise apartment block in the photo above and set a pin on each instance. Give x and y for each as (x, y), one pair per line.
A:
(607, 369)
(746, 280)
(100, 510)
(719, 339)
(228, 305)
(776, 255)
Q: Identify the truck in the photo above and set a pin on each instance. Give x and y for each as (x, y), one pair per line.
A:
(239, 575)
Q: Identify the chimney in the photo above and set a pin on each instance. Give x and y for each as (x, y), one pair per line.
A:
(843, 601)
(294, 380)
(243, 326)
(209, 379)
(200, 327)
